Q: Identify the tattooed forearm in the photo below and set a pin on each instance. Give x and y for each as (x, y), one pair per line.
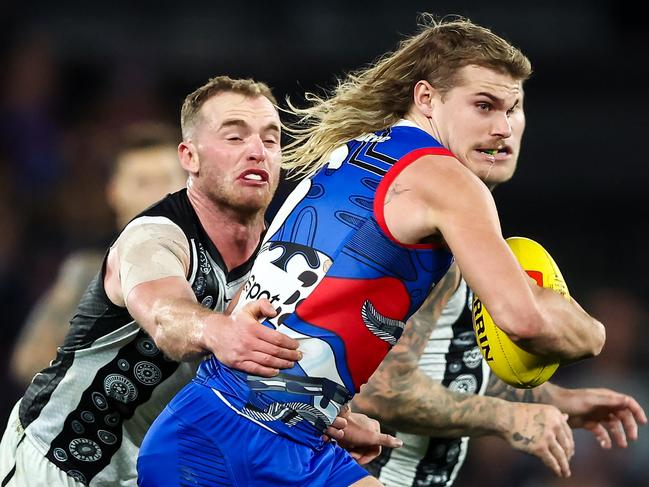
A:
(402, 396)
(498, 388)
(422, 406)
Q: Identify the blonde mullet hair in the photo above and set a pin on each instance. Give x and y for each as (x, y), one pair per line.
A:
(376, 97)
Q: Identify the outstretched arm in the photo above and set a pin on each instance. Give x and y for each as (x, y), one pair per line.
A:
(400, 395)
(146, 272)
(611, 416)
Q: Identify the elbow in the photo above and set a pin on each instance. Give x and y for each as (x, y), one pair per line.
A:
(161, 343)
(598, 338)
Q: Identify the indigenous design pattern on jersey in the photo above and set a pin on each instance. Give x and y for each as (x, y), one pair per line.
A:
(342, 286)
(90, 409)
(452, 357)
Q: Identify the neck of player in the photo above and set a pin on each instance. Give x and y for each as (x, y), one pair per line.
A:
(235, 233)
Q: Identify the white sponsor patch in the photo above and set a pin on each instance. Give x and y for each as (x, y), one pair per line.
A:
(284, 274)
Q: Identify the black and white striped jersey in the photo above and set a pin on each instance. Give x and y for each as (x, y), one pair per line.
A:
(451, 356)
(89, 410)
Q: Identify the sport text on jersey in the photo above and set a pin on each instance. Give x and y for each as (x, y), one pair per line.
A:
(290, 272)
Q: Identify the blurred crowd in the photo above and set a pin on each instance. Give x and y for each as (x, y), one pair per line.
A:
(59, 136)
(59, 131)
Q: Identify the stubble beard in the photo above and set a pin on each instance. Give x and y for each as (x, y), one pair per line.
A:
(245, 205)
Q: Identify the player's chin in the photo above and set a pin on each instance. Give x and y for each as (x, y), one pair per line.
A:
(499, 175)
(501, 171)
(254, 201)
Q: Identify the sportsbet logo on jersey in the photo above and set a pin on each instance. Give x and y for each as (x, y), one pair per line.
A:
(293, 269)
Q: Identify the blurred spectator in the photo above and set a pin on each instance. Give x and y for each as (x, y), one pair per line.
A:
(31, 148)
(146, 168)
(28, 119)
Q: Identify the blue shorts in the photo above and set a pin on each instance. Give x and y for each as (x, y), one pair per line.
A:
(199, 440)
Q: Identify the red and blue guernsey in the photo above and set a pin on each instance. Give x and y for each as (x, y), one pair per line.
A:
(344, 288)
(342, 285)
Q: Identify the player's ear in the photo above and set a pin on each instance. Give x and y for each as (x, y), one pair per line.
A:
(424, 98)
(188, 156)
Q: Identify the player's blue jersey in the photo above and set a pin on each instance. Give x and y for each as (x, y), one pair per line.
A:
(342, 285)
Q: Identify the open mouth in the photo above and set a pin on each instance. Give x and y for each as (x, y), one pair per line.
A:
(495, 154)
(506, 150)
(254, 175)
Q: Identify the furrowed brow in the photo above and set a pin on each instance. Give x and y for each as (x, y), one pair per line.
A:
(497, 100)
(234, 122)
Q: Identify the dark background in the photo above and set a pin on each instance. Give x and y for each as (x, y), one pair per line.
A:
(72, 74)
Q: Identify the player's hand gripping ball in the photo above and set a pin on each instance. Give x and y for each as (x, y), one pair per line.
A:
(508, 361)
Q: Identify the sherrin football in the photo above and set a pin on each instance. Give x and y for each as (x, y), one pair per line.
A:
(509, 362)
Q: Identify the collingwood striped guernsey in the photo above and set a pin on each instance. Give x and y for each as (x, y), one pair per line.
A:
(89, 410)
(453, 358)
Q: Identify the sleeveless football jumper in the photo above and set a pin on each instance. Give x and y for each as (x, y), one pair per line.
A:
(89, 410)
(342, 286)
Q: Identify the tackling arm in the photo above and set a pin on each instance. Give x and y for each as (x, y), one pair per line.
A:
(146, 272)
(403, 397)
(400, 395)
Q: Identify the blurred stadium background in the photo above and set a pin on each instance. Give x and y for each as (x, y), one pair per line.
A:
(72, 74)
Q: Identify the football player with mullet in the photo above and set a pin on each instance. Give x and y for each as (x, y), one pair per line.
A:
(434, 391)
(392, 198)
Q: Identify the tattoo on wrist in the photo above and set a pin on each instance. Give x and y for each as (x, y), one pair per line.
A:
(498, 388)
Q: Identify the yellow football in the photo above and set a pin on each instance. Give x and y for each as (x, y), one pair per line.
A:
(508, 361)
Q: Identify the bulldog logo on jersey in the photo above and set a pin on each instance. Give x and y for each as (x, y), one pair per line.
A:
(294, 271)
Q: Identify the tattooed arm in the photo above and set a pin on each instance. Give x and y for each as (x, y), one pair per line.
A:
(610, 416)
(402, 397)
(497, 388)
(48, 323)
